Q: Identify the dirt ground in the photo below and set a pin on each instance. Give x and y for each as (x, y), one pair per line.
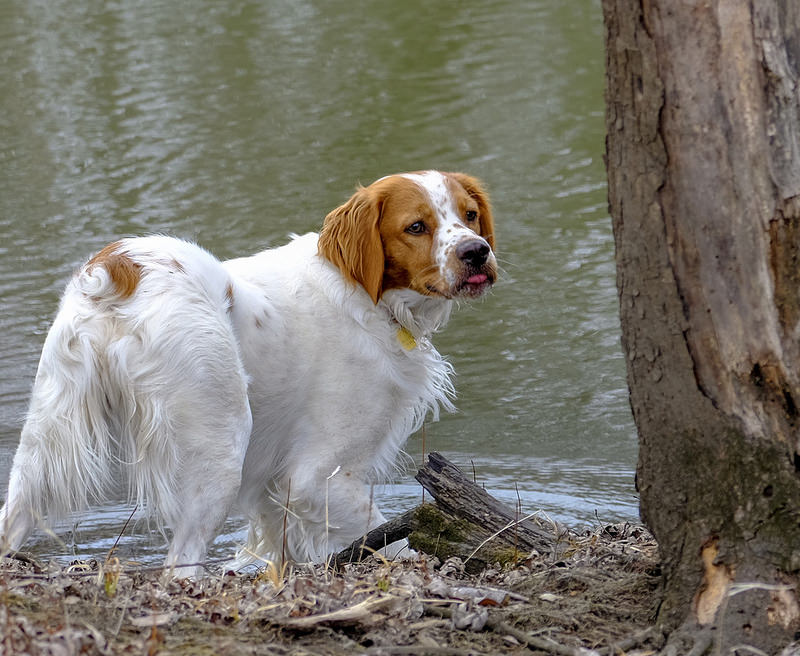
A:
(599, 598)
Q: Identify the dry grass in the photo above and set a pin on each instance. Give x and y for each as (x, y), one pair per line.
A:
(601, 592)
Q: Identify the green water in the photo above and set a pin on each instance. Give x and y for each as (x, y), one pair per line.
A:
(236, 123)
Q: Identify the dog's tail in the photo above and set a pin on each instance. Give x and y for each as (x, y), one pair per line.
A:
(140, 376)
(71, 439)
(67, 445)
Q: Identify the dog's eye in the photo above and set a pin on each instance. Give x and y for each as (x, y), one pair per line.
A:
(417, 228)
(471, 215)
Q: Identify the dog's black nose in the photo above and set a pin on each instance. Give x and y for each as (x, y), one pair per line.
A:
(473, 251)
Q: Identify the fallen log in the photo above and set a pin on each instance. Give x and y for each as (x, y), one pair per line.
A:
(465, 521)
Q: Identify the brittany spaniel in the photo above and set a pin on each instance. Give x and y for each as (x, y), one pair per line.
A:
(286, 382)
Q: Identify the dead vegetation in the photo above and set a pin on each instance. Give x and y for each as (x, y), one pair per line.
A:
(598, 597)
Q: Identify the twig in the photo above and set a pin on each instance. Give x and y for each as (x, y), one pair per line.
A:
(358, 613)
(626, 644)
(124, 526)
(285, 520)
(327, 523)
(516, 526)
(421, 650)
(748, 649)
(737, 588)
(536, 642)
(701, 645)
(511, 524)
(423, 459)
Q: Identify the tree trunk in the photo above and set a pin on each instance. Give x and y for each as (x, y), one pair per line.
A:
(703, 164)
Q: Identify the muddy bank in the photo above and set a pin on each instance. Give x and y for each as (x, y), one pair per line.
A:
(600, 595)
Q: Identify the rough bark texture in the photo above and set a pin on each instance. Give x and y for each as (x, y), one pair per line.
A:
(703, 163)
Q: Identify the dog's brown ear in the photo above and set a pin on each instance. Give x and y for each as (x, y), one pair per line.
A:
(474, 188)
(351, 240)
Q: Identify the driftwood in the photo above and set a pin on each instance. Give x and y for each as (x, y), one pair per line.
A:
(465, 521)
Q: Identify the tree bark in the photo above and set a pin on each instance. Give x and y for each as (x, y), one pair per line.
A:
(703, 162)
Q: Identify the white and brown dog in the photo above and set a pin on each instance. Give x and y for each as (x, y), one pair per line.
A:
(295, 374)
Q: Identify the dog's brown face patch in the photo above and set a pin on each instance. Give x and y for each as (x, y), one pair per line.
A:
(430, 232)
(407, 227)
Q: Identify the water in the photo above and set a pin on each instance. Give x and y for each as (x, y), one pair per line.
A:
(236, 123)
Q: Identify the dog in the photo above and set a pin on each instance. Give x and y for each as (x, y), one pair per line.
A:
(286, 382)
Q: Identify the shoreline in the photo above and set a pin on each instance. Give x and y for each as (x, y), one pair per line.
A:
(601, 593)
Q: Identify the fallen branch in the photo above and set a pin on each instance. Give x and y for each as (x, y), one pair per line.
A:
(420, 650)
(361, 613)
(637, 639)
(465, 521)
(536, 642)
(456, 495)
(395, 529)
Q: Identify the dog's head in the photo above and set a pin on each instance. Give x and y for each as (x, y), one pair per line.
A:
(431, 232)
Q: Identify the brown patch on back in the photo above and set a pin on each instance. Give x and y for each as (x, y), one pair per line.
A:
(123, 271)
(229, 297)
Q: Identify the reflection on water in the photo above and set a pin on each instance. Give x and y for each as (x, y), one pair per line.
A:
(235, 124)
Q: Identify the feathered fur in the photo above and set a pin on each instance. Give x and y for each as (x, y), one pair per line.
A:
(277, 375)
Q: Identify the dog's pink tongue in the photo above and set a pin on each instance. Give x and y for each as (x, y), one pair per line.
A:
(477, 279)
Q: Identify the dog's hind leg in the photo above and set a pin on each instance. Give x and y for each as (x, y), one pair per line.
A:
(189, 435)
(206, 487)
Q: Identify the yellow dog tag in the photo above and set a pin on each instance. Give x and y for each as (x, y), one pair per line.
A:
(406, 339)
